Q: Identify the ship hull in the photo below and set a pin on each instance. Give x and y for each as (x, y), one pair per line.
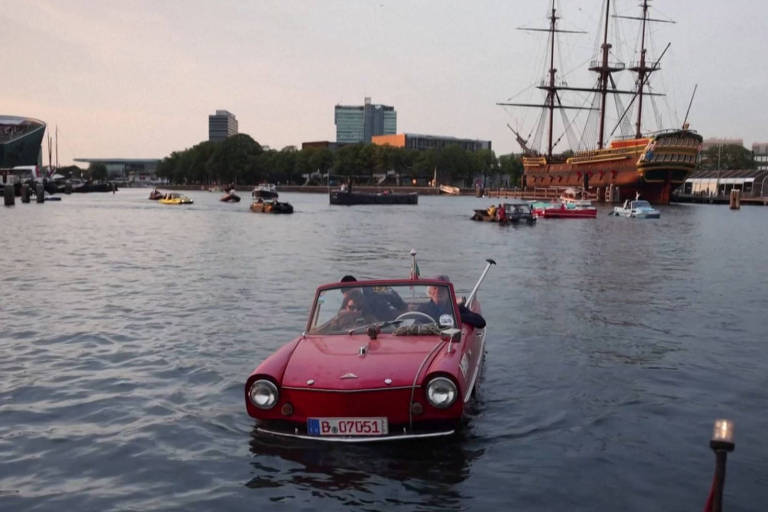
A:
(651, 167)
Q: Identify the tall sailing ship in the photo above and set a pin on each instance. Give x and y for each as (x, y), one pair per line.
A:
(638, 162)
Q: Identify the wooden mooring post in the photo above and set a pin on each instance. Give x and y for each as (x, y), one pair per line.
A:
(9, 194)
(735, 199)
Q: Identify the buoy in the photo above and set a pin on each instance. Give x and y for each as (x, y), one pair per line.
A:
(9, 195)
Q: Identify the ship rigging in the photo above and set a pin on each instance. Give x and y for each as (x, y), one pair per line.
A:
(627, 165)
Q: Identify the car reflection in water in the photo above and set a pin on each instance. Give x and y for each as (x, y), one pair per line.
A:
(430, 468)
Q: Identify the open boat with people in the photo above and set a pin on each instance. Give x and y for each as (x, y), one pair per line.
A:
(379, 360)
(230, 197)
(272, 206)
(175, 198)
(155, 195)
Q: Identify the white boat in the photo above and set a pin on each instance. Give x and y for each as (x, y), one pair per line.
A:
(265, 191)
(450, 190)
(638, 208)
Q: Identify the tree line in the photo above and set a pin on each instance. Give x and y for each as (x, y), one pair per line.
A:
(727, 157)
(240, 159)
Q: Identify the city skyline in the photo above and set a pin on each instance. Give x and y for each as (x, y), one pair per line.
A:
(141, 81)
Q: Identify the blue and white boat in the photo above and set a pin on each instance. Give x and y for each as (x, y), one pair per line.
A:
(638, 208)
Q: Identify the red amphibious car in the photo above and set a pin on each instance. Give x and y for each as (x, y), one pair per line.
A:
(379, 360)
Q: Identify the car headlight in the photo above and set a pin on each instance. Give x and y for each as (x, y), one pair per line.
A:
(441, 392)
(263, 394)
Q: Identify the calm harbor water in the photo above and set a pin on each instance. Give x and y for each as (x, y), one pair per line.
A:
(128, 329)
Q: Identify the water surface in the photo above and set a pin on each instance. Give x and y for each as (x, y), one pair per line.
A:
(129, 328)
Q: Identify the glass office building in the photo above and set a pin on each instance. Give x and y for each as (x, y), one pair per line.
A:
(358, 123)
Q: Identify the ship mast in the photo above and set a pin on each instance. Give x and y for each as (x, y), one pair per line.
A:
(551, 87)
(603, 80)
(642, 69)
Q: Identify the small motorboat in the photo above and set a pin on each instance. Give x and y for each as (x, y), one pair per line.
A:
(346, 197)
(568, 211)
(273, 206)
(378, 360)
(175, 198)
(230, 197)
(264, 191)
(569, 207)
(155, 195)
(450, 190)
(638, 208)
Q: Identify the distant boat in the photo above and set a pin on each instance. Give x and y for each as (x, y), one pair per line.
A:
(273, 206)
(265, 191)
(350, 198)
(230, 197)
(450, 190)
(175, 198)
(638, 209)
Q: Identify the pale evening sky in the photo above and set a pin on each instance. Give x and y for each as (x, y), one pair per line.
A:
(138, 79)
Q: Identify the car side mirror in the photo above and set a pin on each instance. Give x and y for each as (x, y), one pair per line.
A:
(452, 335)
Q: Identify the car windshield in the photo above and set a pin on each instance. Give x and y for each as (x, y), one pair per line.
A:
(340, 310)
(641, 204)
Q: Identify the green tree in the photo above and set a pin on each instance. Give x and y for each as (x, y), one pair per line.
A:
(511, 165)
(231, 158)
(727, 157)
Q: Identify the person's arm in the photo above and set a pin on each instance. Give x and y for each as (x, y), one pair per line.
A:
(470, 317)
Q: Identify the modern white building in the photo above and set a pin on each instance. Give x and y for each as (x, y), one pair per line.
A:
(221, 125)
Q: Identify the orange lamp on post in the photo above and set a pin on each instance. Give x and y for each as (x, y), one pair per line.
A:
(721, 444)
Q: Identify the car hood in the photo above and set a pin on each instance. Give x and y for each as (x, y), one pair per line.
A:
(336, 362)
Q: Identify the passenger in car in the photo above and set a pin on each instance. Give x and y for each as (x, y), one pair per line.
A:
(440, 304)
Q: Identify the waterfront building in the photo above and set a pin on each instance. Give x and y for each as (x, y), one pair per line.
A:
(424, 142)
(20, 141)
(712, 142)
(760, 154)
(359, 123)
(716, 185)
(221, 125)
(127, 170)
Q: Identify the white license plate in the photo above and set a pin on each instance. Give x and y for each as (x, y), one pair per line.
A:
(347, 426)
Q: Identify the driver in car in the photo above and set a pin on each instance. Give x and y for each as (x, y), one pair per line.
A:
(440, 304)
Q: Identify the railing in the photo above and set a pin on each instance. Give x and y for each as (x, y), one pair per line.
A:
(536, 194)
